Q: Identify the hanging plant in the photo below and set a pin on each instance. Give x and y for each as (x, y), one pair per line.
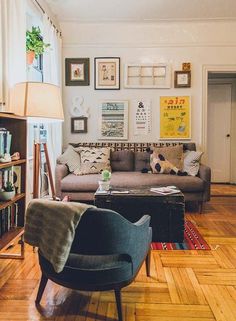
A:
(34, 44)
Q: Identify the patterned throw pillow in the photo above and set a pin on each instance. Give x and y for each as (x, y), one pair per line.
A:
(173, 154)
(94, 160)
(192, 162)
(71, 158)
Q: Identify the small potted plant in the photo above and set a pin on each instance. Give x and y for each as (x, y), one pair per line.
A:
(8, 192)
(34, 44)
(104, 183)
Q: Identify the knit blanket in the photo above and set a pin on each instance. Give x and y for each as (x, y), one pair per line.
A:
(50, 226)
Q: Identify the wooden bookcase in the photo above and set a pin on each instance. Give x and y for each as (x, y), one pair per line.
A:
(18, 128)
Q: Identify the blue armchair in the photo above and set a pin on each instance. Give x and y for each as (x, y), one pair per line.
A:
(106, 254)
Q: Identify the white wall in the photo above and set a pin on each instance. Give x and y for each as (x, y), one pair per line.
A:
(200, 43)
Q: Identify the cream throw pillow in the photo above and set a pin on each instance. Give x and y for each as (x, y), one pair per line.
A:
(71, 158)
(94, 160)
(192, 162)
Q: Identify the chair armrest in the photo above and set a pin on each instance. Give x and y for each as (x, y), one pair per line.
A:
(145, 219)
(60, 172)
(205, 174)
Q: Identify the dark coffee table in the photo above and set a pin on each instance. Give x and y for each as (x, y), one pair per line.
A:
(167, 212)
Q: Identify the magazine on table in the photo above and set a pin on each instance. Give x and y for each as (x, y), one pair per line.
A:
(167, 190)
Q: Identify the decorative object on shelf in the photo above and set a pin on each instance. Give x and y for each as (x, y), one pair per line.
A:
(113, 120)
(175, 117)
(77, 109)
(104, 183)
(38, 100)
(6, 158)
(77, 71)
(186, 66)
(34, 44)
(15, 156)
(142, 75)
(79, 125)
(8, 192)
(107, 73)
(182, 79)
(142, 124)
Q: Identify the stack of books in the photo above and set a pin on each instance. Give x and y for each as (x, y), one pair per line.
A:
(167, 190)
(8, 218)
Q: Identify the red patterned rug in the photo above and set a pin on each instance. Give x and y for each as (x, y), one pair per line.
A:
(192, 240)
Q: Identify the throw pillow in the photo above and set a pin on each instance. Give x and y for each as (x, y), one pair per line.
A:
(192, 162)
(160, 165)
(173, 154)
(71, 158)
(94, 160)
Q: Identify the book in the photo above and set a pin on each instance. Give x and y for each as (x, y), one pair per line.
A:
(167, 190)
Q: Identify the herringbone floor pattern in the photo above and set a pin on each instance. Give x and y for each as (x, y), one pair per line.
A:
(184, 285)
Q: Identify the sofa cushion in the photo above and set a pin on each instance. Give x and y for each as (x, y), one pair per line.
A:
(129, 180)
(141, 161)
(122, 160)
(173, 154)
(71, 158)
(192, 162)
(94, 160)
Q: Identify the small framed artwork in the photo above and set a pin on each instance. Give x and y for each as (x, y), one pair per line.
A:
(113, 120)
(77, 71)
(107, 73)
(182, 79)
(79, 125)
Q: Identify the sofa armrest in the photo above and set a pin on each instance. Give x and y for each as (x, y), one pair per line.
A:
(205, 174)
(60, 172)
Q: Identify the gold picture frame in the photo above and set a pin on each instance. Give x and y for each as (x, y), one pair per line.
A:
(107, 73)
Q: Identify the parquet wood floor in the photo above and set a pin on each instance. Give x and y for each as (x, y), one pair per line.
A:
(184, 285)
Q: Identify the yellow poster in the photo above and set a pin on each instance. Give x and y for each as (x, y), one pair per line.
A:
(175, 117)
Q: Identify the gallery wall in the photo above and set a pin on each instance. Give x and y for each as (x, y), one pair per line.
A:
(200, 43)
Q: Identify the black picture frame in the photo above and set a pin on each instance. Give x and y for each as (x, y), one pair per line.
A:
(79, 125)
(111, 67)
(182, 79)
(77, 72)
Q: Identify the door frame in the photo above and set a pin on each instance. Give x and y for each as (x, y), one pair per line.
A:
(205, 71)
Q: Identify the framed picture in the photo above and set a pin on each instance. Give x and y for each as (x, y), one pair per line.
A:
(79, 125)
(175, 117)
(113, 120)
(107, 73)
(182, 79)
(77, 71)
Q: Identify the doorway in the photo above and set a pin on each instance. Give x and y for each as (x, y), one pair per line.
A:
(220, 126)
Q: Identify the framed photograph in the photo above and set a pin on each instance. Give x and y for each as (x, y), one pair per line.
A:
(107, 73)
(182, 79)
(79, 125)
(77, 71)
(113, 120)
(175, 117)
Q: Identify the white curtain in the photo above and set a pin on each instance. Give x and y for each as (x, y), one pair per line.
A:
(12, 46)
(52, 74)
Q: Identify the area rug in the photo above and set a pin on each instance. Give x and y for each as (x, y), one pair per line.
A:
(192, 240)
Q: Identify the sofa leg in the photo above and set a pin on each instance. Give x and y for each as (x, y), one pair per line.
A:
(118, 304)
(200, 207)
(148, 262)
(42, 285)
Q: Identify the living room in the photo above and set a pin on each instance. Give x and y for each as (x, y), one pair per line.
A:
(149, 89)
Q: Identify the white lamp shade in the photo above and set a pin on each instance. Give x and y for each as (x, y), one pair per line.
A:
(36, 99)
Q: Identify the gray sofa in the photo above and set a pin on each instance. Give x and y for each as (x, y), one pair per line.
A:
(127, 161)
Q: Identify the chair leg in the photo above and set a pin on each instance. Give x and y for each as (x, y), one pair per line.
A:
(42, 285)
(148, 262)
(118, 304)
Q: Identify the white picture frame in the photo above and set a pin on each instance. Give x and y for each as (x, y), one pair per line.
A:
(107, 73)
(113, 120)
(151, 75)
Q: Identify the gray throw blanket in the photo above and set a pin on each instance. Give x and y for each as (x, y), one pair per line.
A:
(50, 226)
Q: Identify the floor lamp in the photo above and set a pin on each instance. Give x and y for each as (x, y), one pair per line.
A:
(39, 102)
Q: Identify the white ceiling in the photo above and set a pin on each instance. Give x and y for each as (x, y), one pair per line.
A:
(142, 10)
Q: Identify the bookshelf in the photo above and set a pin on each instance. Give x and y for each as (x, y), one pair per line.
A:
(17, 126)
